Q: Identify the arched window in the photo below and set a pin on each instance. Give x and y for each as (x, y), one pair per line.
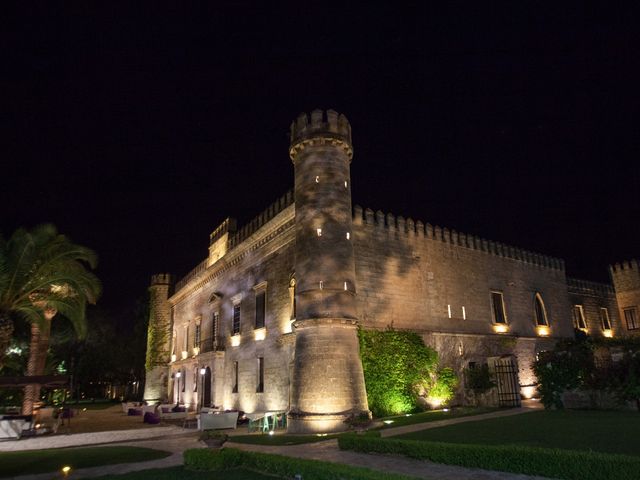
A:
(195, 378)
(539, 312)
(292, 295)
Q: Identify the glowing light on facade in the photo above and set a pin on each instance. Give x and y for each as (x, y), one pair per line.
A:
(235, 340)
(608, 333)
(500, 328)
(259, 334)
(543, 331)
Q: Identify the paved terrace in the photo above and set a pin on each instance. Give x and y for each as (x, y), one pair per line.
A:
(175, 440)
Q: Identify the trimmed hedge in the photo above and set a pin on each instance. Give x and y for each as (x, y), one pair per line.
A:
(556, 463)
(228, 458)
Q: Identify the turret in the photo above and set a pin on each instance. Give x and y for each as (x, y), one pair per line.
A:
(158, 338)
(328, 383)
(625, 277)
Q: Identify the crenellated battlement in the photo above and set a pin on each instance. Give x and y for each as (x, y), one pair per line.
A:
(320, 128)
(259, 220)
(162, 279)
(417, 228)
(587, 287)
(632, 264)
(229, 225)
(626, 276)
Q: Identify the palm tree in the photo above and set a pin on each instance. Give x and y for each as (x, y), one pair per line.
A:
(42, 274)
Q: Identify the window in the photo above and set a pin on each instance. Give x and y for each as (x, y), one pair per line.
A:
(184, 380)
(292, 297)
(631, 317)
(260, 387)
(185, 339)
(604, 319)
(195, 379)
(539, 312)
(578, 318)
(497, 308)
(235, 378)
(260, 308)
(214, 325)
(235, 326)
(197, 339)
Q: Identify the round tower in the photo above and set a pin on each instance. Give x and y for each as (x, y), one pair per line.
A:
(158, 339)
(328, 383)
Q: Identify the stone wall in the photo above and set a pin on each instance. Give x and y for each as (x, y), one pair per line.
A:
(592, 297)
(438, 282)
(265, 260)
(626, 281)
(158, 338)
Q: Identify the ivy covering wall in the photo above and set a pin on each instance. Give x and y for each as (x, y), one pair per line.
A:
(401, 372)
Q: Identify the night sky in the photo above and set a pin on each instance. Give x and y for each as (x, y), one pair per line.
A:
(137, 132)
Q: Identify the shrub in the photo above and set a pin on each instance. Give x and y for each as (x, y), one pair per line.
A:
(555, 463)
(569, 366)
(479, 379)
(279, 465)
(399, 369)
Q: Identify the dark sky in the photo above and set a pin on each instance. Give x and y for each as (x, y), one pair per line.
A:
(137, 131)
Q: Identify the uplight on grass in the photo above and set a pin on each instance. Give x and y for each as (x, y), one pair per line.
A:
(65, 470)
(388, 422)
(271, 432)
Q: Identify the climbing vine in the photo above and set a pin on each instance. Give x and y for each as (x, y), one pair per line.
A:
(400, 370)
(157, 337)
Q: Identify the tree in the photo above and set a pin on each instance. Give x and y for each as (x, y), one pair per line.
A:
(42, 274)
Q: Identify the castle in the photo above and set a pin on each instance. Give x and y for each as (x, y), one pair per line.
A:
(268, 321)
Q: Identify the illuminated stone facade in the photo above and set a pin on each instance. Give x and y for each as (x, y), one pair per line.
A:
(270, 314)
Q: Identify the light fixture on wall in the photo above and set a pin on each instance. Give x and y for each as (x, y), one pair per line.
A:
(543, 331)
(500, 328)
(178, 375)
(201, 395)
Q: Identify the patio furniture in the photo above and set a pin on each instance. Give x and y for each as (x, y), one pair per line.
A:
(13, 428)
(266, 421)
(167, 412)
(127, 405)
(217, 420)
(48, 419)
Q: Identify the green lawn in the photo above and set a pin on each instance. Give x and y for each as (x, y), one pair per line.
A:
(608, 432)
(180, 473)
(41, 461)
(433, 416)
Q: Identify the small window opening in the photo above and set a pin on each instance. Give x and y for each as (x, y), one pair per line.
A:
(449, 310)
(319, 231)
(321, 284)
(317, 179)
(464, 313)
(348, 235)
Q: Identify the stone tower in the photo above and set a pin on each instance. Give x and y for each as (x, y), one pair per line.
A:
(328, 383)
(625, 277)
(158, 338)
